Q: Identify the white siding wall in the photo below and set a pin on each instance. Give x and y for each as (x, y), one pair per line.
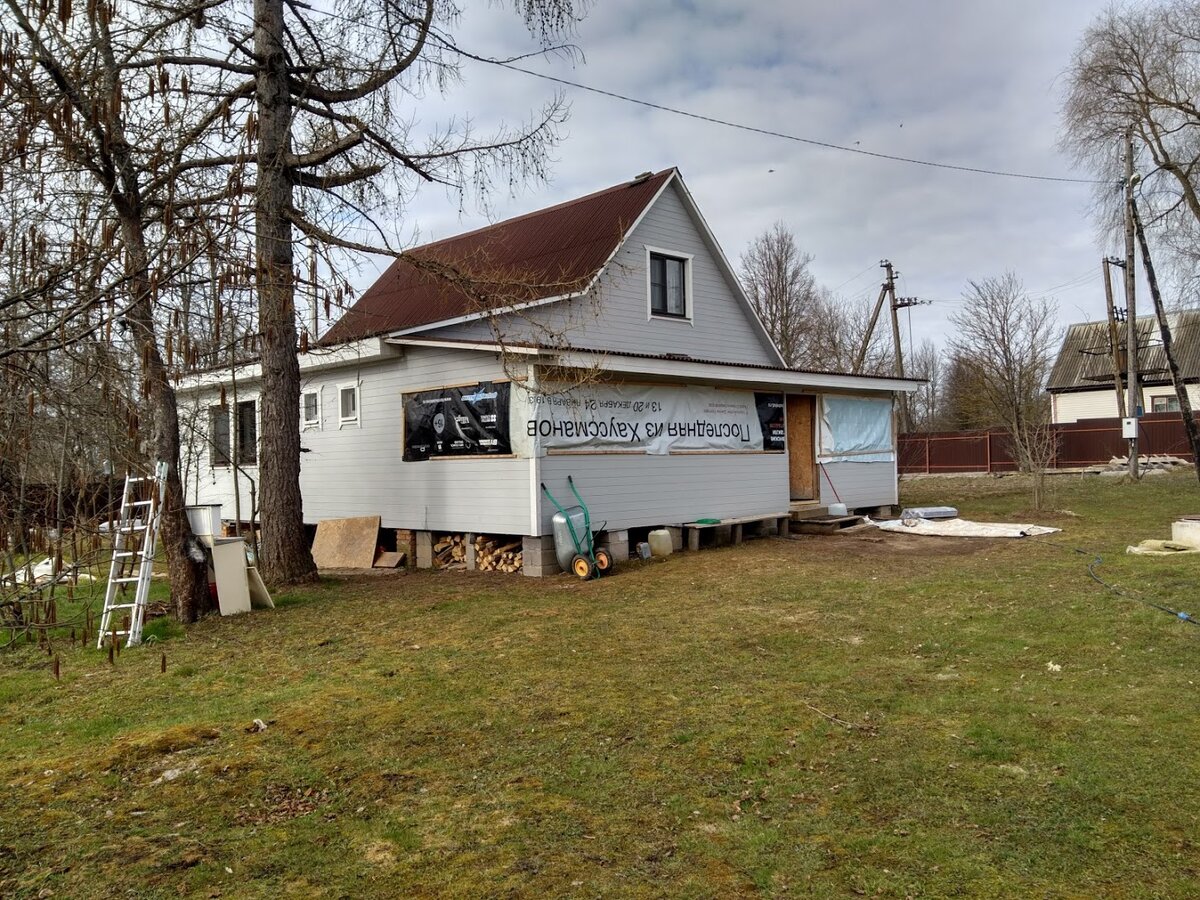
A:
(859, 484)
(616, 317)
(638, 490)
(358, 471)
(1103, 404)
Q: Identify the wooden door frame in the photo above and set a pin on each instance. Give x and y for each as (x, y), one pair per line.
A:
(814, 475)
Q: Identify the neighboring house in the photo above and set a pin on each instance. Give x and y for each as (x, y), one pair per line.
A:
(605, 338)
(1081, 382)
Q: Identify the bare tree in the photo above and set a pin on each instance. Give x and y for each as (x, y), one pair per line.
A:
(924, 403)
(1005, 340)
(89, 145)
(1138, 67)
(329, 148)
(776, 274)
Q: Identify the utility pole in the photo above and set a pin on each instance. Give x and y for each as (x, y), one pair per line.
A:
(1164, 327)
(899, 303)
(1132, 385)
(1113, 338)
(887, 291)
(888, 288)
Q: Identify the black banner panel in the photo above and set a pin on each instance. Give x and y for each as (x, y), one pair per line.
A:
(462, 421)
(771, 418)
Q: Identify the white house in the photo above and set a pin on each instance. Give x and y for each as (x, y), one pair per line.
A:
(1081, 384)
(605, 338)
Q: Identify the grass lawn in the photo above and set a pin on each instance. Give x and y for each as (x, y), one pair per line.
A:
(873, 714)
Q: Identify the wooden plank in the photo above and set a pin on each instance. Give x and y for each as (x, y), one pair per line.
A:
(802, 474)
(737, 520)
(346, 543)
(389, 560)
(825, 524)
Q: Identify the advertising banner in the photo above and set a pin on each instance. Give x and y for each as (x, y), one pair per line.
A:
(461, 421)
(771, 417)
(656, 419)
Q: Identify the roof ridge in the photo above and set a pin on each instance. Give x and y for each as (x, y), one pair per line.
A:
(633, 182)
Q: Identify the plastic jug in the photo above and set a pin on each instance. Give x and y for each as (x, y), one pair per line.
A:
(660, 542)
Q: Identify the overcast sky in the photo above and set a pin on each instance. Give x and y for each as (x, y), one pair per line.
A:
(975, 84)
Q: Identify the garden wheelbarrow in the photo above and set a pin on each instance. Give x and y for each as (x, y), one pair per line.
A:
(574, 541)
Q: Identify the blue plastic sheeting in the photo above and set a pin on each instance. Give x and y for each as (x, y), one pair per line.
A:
(856, 429)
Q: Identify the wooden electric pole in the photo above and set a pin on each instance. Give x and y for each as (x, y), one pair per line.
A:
(887, 289)
(1132, 385)
(1114, 341)
(1164, 327)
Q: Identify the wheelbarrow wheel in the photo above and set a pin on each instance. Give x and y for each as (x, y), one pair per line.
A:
(582, 567)
(604, 561)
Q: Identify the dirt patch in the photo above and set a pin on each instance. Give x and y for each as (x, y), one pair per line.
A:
(886, 543)
(282, 804)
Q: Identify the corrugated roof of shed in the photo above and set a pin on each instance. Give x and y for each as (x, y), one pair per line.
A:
(537, 256)
(1085, 360)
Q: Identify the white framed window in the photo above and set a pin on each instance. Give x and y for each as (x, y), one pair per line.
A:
(246, 423)
(348, 409)
(310, 408)
(1166, 403)
(219, 442)
(668, 285)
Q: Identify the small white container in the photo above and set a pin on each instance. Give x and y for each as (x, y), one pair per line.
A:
(660, 542)
(837, 509)
(205, 519)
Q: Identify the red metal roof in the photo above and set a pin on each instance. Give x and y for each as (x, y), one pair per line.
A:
(536, 256)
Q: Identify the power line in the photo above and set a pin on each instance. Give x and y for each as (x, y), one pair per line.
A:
(852, 278)
(791, 137)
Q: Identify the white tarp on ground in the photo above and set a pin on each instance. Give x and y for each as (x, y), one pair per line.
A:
(963, 528)
(856, 429)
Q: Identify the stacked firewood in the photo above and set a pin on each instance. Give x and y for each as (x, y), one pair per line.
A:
(450, 552)
(493, 556)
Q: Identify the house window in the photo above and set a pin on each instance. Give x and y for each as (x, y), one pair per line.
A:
(310, 409)
(348, 404)
(218, 436)
(247, 433)
(1164, 404)
(669, 286)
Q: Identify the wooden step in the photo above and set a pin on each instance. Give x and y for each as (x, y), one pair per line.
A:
(824, 524)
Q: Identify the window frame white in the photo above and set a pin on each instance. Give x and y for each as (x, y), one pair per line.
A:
(1170, 403)
(689, 305)
(244, 461)
(305, 422)
(354, 421)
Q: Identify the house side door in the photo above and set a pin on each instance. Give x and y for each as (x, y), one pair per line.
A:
(802, 462)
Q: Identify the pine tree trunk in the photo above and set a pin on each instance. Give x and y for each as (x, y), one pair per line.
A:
(284, 553)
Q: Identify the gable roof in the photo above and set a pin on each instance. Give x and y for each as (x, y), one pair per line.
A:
(541, 256)
(1085, 361)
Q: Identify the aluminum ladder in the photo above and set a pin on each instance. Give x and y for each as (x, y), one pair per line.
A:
(134, 540)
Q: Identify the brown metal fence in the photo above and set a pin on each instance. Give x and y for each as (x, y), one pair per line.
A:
(1089, 442)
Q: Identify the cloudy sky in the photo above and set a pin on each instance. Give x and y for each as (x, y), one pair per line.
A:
(976, 84)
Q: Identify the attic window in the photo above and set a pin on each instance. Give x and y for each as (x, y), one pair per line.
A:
(670, 284)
